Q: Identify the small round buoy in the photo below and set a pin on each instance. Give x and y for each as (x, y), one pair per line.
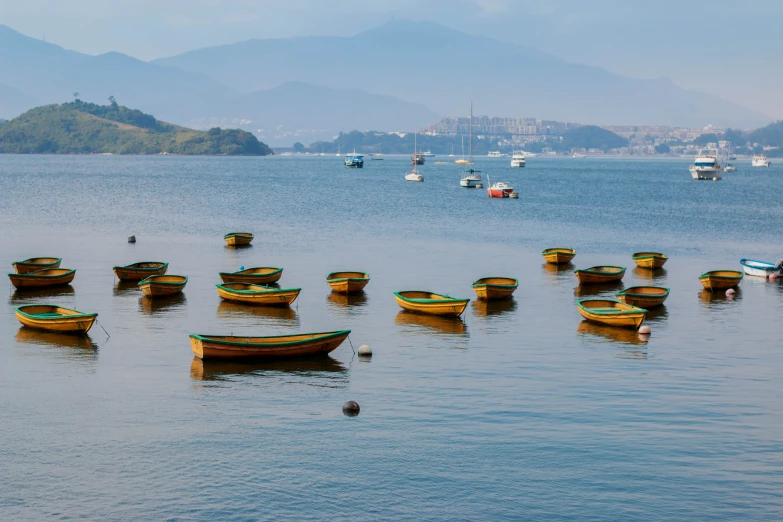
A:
(480, 185)
(714, 179)
(351, 408)
(514, 195)
(131, 239)
(645, 330)
(730, 292)
(773, 277)
(365, 350)
(241, 267)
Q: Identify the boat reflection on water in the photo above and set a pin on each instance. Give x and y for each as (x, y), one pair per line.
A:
(718, 298)
(82, 346)
(275, 315)
(20, 296)
(432, 323)
(558, 272)
(657, 276)
(332, 372)
(151, 306)
(126, 288)
(238, 247)
(611, 334)
(603, 289)
(657, 314)
(351, 303)
(500, 307)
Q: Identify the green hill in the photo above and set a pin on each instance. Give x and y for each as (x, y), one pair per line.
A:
(592, 137)
(86, 128)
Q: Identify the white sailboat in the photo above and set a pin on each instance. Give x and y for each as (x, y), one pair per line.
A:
(414, 175)
(471, 178)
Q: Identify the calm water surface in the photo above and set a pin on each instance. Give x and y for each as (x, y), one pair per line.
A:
(519, 411)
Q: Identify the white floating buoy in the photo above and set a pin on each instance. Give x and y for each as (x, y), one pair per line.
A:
(645, 330)
(365, 350)
(479, 185)
(773, 277)
(730, 292)
(131, 239)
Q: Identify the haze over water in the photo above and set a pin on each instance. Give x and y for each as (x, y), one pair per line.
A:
(521, 410)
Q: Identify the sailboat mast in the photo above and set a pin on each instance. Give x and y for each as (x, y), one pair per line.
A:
(470, 144)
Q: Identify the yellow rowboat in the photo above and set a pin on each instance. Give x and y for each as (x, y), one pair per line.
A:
(490, 288)
(36, 263)
(279, 346)
(139, 271)
(260, 275)
(430, 303)
(720, 279)
(600, 274)
(558, 256)
(347, 282)
(257, 294)
(612, 313)
(643, 296)
(650, 259)
(55, 318)
(238, 238)
(163, 285)
(43, 278)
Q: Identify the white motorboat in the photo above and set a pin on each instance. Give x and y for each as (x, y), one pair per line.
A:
(495, 154)
(500, 189)
(413, 176)
(729, 168)
(706, 165)
(760, 160)
(518, 159)
(354, 160)
(428, 154)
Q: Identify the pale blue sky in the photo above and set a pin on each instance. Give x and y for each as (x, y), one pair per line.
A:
(728, 48)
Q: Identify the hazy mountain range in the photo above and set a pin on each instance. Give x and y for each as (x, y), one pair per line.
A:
(377, 79)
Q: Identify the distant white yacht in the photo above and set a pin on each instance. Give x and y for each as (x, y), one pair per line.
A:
(495, 154)
(760, 160)
(428, 154)
(518, 159)
(707, 165)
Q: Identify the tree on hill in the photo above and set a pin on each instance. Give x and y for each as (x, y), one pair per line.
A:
(592, 137)
(704, 139)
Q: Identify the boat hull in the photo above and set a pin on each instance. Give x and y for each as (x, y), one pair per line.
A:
(591, 276)
(517, 163)
(238, 238)
(137, 273)
(720, 280)
(756, 268)
(446, 306)
(43, 278)
(558, 256)
(499, 193)
(262, 297)
(161, 286)
(280, 347)
(265, 276)
(612, 314)
(706, 174)
(36, 263)
(650, 260)
(347, 282)
(494, 288)
(643, 296)
(41, 317)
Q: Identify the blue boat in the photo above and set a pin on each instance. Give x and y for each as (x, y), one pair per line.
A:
(753, 267)
(354, 160)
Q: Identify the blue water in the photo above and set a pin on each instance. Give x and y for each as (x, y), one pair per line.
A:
(519, 411)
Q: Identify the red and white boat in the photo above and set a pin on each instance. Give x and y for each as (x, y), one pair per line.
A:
(500, 189)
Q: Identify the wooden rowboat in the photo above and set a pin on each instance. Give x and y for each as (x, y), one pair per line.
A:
(612, 313)
(720, 279)
(257, 294)
(36, 263)
(347, 282)
(43, 278)
(753, 267)
(558, 256)
(141, 270)
(600, 274)
(55, 318)
(259, 275)
(431, 303)
(490, 288)
(238, 238)
(163, 285)
(643, 296)
(651, 260)
(279, 346)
